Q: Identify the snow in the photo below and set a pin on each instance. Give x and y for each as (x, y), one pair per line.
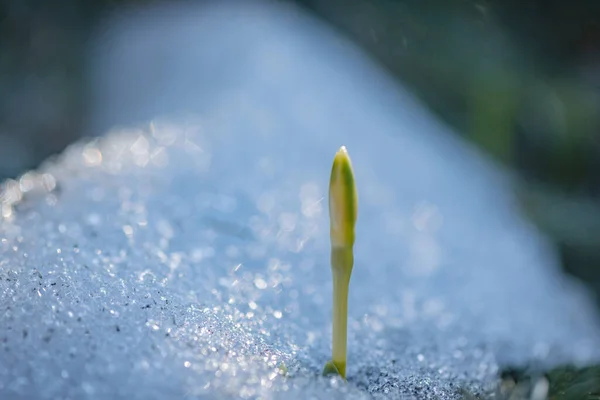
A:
(187, 258)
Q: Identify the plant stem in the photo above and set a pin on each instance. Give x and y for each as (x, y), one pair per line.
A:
(342, 260)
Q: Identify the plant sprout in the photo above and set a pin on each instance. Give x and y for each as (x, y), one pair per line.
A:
(343, 209)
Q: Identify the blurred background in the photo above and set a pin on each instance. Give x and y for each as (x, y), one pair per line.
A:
(519, 79)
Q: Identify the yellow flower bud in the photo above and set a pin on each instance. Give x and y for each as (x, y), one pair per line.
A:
(343, 200)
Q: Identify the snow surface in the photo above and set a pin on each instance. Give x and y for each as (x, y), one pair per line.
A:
(188, 258)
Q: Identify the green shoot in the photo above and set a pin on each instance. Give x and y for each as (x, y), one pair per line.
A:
(343, 210)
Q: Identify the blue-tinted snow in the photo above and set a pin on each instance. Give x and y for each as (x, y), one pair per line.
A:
(188, 257)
